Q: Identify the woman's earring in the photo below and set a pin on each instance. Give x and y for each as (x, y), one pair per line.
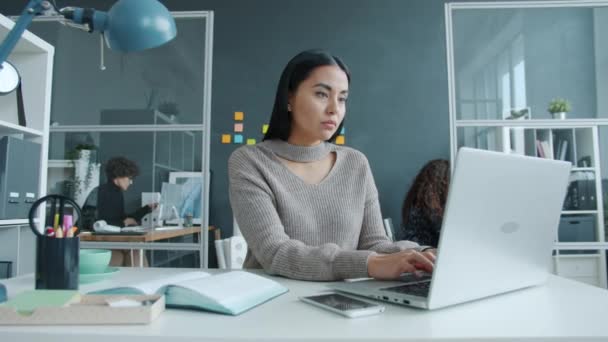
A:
(289, 107)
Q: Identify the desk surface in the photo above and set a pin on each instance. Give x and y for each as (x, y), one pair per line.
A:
(560, 310)
(153, 235)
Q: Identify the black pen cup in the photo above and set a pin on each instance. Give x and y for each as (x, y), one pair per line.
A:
(57, 263)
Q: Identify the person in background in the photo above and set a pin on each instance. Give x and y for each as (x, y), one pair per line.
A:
(120, 173)
(308, 208)
(424, 203)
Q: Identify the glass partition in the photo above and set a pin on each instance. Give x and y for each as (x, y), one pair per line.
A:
(150, 107)
(509, 60)
(168, 79)
(530, 78)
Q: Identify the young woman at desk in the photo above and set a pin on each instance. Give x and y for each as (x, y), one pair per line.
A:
(307, 208)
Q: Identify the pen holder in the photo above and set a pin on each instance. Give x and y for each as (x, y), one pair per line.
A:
(57, 263)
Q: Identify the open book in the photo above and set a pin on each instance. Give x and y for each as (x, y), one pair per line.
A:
(229, 293)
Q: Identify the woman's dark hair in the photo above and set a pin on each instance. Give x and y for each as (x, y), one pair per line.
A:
(297, 70)
(429, 191)
(120, 167)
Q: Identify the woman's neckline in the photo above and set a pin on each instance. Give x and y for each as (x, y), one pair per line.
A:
(299, 153)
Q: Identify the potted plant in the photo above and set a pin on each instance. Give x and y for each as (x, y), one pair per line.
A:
(86, 171)
(558, 108)
(169, 108)
(84, 151)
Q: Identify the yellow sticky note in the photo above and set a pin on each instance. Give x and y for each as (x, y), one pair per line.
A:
(250, 141)
(340, 140)
(226, 138)
(238, 116)
(238, 127)
(264, 129)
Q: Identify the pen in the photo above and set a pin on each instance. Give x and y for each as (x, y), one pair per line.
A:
(53, 211)
(61, 216)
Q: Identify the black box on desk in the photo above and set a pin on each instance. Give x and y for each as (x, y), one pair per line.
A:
(19, 173)
(577, 228)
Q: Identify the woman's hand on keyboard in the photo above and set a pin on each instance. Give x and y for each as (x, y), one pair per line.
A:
(391, 266)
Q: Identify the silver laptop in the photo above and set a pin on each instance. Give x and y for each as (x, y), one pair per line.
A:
(498, 231)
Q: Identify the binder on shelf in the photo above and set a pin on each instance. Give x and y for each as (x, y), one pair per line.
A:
(547, 149)
(581, 193)
(557, 147)
(539, 149)
(563, 148)
(591, 196)
(19, 171)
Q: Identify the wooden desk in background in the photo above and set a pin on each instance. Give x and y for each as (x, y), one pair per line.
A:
(153, 235)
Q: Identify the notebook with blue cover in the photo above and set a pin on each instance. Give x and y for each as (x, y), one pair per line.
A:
(229, 293)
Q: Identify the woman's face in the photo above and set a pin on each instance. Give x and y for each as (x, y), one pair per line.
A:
(123, 182)
(318, 105)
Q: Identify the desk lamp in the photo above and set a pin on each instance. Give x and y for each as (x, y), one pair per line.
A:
(129, 25)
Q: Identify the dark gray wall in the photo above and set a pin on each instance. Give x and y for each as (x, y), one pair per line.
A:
(397, 113)
(398, 108)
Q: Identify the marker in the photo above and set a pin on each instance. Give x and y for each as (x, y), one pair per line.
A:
(67, 224)
(56, 222)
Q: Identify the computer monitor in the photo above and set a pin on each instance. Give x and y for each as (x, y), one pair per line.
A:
(191, 193)
(170, 197)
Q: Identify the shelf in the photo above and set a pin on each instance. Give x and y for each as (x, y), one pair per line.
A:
(162, 166)
(61, 163)
(15, 222)
(578, 212)
(577, 256)
(583, 169)
(11, 128)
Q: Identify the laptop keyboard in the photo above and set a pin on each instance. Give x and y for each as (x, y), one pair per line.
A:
(415, 277)
(416, 289)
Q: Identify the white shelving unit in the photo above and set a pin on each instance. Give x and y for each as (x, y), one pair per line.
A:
(497, 76)
(33, 58)
(582, 146)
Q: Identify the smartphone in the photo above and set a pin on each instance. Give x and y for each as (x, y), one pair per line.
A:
(344, 305)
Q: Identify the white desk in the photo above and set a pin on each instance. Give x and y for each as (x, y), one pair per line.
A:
(561, 310)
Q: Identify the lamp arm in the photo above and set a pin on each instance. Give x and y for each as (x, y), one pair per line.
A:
(33, 8)
(92, 19)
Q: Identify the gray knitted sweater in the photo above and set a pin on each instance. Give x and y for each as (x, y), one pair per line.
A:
(324, 231)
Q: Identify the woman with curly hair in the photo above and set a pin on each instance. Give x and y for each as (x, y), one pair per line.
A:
(422, 211)
(120, 172)
(110, 205)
